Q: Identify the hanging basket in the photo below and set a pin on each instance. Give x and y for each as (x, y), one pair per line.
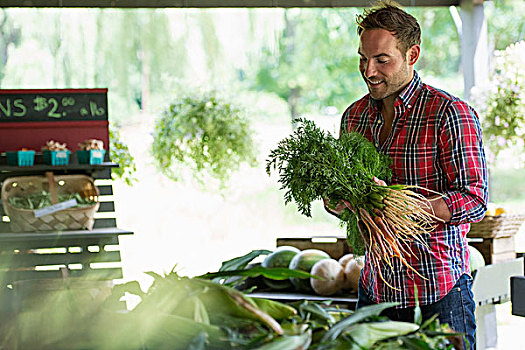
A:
(75, 218)
(503, 225)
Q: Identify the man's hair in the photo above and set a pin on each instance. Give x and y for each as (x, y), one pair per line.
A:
(389, 16)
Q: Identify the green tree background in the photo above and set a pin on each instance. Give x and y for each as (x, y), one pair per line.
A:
(306, 58)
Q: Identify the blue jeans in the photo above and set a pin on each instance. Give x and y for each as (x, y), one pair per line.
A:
(456, 309)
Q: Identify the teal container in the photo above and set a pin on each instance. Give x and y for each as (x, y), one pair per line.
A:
(21, 158)
(94, 156)
(56, 157)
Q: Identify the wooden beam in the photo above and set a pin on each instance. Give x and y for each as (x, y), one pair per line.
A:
(474, 45)
(214, 3)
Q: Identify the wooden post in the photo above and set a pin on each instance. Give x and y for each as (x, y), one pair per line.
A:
(474, 45)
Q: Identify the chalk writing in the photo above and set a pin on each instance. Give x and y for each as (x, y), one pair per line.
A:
(42, 105)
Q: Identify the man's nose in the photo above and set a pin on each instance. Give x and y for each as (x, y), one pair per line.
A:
(370, 69)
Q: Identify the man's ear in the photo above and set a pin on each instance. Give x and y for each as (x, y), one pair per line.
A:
(413, 54)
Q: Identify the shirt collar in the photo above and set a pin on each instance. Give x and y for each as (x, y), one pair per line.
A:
(410, 91)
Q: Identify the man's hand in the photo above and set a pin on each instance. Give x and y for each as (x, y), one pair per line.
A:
(379, 182)
(435, 205)
(339, 208)
(342, 204)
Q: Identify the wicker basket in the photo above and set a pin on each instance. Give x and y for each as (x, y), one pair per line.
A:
(24, 220)
(503, 225)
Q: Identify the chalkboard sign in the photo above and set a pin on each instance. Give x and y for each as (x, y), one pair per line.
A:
(53, 105)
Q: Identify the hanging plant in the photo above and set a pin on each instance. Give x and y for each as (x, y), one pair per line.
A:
(501, 104)
(205, 134)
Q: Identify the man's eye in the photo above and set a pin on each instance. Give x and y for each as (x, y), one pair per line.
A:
(381, 61)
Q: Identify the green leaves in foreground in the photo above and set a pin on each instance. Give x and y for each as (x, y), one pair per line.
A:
(179, 312)
(358, 316)
(276, 273)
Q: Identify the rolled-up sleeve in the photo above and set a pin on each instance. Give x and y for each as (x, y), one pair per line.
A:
(463, 160)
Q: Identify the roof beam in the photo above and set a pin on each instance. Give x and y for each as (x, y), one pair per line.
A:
(213, 3)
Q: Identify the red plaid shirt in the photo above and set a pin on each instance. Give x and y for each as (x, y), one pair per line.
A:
(435, 143)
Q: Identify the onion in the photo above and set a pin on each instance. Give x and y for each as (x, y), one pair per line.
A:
(352, 272)
(332, 275)
(345, 259)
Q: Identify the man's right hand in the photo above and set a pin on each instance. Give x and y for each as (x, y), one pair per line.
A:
(339, 208)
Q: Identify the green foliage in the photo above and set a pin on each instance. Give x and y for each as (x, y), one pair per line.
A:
(127, 60)
(208, 135)
(120, 154)
(438, 31)
(315, 64)
(505, 23)
(501, 104)
(312, 165)
(178, 312)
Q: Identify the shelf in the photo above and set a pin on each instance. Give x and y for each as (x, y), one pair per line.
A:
(351, 298)
(45, 167)
(97, 171)
(54, 236)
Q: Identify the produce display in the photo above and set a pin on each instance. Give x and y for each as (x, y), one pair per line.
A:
(42, 199)
(91, 151)
(304, 261)
(53, 145)
(205, 312)
(55, 153)
(281, 257)
(328, 276)
(352, 271)
(476, 259)
(91, 144)
(331, 275)
(345, 259)
(313, 165)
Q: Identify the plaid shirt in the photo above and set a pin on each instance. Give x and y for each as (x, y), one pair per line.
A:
(435, 143)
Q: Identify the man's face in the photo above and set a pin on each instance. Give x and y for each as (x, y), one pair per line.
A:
(384, 68)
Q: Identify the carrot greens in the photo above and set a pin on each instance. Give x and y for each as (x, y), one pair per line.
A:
(313, 165)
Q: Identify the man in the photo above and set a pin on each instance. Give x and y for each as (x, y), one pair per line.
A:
(434, 140)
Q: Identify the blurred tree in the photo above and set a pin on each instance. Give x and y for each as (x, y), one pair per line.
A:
(9, 35)
(505, 22)
(314, 65)
(134, 50)
(58, 47)
(440, 45)
(211, 44)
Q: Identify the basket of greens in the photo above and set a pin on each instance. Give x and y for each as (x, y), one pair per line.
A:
(56, 203)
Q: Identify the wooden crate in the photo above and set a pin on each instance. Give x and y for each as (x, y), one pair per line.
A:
(335, 246)
(496, 249)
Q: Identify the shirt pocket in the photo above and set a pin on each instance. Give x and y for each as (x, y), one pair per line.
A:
(415, 164)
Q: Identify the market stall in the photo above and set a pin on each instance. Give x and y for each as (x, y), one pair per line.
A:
(58, 215)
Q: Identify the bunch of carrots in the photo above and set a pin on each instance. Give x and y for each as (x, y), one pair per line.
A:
(385, 220)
